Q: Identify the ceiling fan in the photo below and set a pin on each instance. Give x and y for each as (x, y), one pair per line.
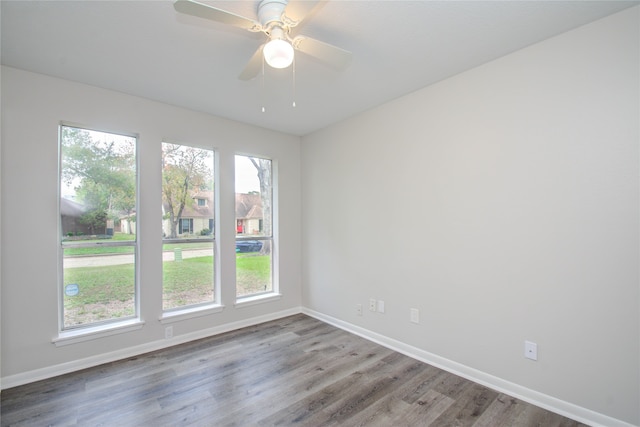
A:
(276, 18)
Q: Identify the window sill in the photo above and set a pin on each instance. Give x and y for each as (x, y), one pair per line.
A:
(257, 299)
(75, 336)
(190, 313)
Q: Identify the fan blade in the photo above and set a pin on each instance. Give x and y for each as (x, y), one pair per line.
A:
(253, 67)
(298, 10)
(200, 10)
(332, 55)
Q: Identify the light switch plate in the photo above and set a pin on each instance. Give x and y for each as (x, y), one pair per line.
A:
(415, 315)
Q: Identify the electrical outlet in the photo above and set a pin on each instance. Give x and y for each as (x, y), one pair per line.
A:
(531, 350)
(380, 306)
(359, 309)
(372, 305)
(415, 315)
(168, 332)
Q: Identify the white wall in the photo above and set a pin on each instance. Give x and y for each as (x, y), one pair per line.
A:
(32, 107)
(523, 177)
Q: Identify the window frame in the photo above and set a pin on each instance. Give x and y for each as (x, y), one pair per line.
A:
(201, 308)
(76, 332)
(274, 293)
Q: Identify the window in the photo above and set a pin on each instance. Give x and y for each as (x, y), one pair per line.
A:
(185, 226)
(98, 194)
(202, 202)
(254, 226)
(188, 273)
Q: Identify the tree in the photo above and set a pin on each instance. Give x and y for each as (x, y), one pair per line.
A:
(95, 220)
(184, 171)
(263, 166)
(102, 169)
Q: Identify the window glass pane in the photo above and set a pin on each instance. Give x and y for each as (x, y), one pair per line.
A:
(187, 274)
(98, 226)
(254, 239)
(187, 225)
(98, 286)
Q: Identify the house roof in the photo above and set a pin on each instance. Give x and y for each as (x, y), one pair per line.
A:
(71, 208)
(195, 211)
(248, 206)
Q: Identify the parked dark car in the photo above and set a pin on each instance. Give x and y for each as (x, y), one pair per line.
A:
(248, 246)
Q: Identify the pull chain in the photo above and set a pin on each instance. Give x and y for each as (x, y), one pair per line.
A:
(294, 81)
(262, 87)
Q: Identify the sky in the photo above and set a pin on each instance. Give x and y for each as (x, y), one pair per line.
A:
(246, 176)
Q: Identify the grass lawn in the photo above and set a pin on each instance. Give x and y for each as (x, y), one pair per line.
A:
(104, 293)
(253, 274)
(187, 282)
(107, 292)
(117, 237)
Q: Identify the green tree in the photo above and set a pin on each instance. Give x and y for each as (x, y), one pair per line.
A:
(101, 167)
(184, 172)
(95, 220)
(263, 167)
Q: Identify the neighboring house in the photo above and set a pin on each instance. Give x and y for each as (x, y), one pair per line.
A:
(70, 213)
(199, 215)
(195, 217)
(126, 225)
(248, 213)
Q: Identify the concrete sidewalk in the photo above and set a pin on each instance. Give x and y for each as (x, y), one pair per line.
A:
(97, 261)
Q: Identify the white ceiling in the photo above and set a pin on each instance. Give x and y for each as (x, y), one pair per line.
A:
(146, 48)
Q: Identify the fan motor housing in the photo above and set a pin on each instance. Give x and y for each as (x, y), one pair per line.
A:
(271, 11)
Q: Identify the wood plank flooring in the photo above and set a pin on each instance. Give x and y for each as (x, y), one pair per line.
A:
(291, 371)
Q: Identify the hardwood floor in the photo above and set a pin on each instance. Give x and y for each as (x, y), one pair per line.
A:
(295, 370)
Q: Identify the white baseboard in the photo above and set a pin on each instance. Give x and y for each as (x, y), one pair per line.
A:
(547, 402)
(76, 365)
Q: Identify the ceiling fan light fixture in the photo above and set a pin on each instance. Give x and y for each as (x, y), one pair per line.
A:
(276, 19)
(278, 53)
